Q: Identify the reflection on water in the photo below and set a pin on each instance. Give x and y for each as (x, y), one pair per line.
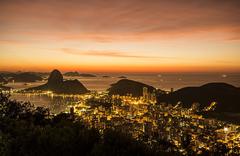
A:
(56, 104)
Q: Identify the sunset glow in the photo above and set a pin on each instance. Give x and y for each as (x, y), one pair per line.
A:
(120, 36)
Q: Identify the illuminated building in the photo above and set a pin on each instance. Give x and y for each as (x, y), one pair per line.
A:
(153, 97)
(145, 93)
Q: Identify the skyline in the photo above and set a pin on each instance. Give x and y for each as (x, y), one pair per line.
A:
(126, 36)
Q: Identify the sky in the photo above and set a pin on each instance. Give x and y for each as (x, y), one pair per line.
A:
(120, 35)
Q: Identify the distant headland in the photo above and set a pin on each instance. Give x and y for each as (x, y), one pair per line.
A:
(212, 100)
(221, 100)
(126, 86)
(56, 84)
(78, 74)
(20, 77)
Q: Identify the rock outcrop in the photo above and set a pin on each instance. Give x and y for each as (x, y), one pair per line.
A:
(56, 84)
(125, 86)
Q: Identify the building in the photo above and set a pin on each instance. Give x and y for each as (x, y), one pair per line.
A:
(145, 93)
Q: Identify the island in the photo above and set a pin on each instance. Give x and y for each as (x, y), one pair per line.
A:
(87, 75)
(25, 77)
(126, 86)
(105, 76)
(72, 74)
(56, 84)
(122, 77)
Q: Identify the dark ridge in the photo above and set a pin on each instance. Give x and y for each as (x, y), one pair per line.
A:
(72, 87)
(6, 74)
(125, 86)
(71, 74)
(2, 80)
(42, 74)
(122, 77)
(87, 75)
(57, 85)
(105, 76)
(227, 97)
(25, 77)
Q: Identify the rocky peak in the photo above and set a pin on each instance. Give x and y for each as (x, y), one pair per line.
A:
(55, 78)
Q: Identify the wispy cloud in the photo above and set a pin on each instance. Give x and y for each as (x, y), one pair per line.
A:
(106, 53)
(123, 19)
(13, 42)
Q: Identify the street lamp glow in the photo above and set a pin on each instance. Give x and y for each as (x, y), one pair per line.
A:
(225, 129)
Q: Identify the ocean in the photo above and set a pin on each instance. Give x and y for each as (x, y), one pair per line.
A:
(164, 81)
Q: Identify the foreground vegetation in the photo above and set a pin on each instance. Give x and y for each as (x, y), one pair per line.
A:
(29, 131)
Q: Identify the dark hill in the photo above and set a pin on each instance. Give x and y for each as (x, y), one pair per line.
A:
(25, 77)
(72, 87)
(55, 79)
(125, 86)
(87, 75)
(227, 97)
(122, 77)
(57, 85)
(2, 80)
(4, 88)
(105, 76)
(72, 74)
(6, 74)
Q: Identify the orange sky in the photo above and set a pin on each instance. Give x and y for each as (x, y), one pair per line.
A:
(126, 35)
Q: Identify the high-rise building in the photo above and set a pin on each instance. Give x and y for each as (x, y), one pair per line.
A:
(145, 93)
(153, 97)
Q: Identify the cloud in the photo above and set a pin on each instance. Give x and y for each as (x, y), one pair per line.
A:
(106, 53)
(12, 42)
(119, 20)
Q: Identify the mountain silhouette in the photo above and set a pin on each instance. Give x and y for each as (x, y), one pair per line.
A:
(126, 86)
(2, 80)
(122, 77)
(58, 85)
(226, 96)
(87, 75)
(72, 74)
(78, 74)
(55, 79)
(25, 77)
